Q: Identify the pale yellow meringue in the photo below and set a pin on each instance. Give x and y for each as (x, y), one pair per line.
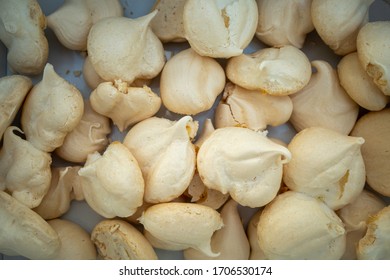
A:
(251, 109)
(112, 183)
(326, 165)
(124, 104)
(165, 154)
(324, 102)
(220, 28)
(244, 163)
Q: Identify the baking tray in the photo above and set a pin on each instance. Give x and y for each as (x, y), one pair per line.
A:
(69, 65)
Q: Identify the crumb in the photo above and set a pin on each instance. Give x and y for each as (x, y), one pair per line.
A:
(67, 72)
(77, 73)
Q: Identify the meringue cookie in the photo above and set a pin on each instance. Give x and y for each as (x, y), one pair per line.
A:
(355, 217)
(182, 225)
(72, 21)
(326, 165)
(168, 23)
(338, 22)
(359, 85)
(190, 83)
(375, 245)
(244, 163)
(13, 90)
(165, 154)
(252, 109)
(276, 71)
(324, 102)
(125, 49)
(374, 128)
(373, 48)
(89, 136)
(297, 226)
(112, 183)
(124, 104)
(52, 109)
(24, 170)
(233, 26)
(284, 22)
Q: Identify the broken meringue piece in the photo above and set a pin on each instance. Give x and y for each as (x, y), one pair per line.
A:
(124, 104)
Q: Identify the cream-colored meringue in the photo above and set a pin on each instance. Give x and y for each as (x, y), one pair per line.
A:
(359, 85)
(220, 28)
(125, 49)
(355, 217)
(24, 170)
(112, 183)
(57, 200)
(119, 240)
(326, 165)
(165, 154)
(52, 109)
(168, 23)
(251, 231)
(251, 108)
(338, 22)
(13, 90)
(182, 225)
(124, 104)
(374, 128)
(297, 226)
(22, 25)
(375, 245)
(244, 163)
(75, 241)
(373, 48)
(323, 102)
(26, 233)
(230, 241)
(72, 21)
(91, 78)
(89, 136)
(190, 83)
(284, 22)
(276, 71)
(201, 194)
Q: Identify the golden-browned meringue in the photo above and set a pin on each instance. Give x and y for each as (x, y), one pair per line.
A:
(324, 102)
(112, 183)
(190, 83)
(244, 163)
(165, 154)
(233, 25)
(251, 108)
(327, 165)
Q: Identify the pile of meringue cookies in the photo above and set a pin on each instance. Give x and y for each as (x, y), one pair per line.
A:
(178, 184)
